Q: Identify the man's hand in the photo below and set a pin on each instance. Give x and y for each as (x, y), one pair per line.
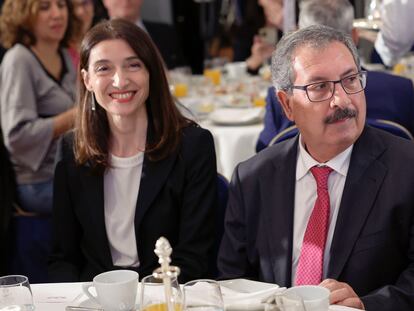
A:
(342, 294)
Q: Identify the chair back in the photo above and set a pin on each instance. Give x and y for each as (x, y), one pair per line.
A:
(287, 133)
(391, 127)
(386, 125)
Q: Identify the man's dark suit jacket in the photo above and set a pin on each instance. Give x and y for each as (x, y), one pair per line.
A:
(373, 243)
(388, 97)
(166, 39)
(177, 199)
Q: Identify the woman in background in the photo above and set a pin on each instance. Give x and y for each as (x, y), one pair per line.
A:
(37, 92)
(138, 169)
(84, 11)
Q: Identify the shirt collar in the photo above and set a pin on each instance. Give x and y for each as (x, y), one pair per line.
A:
(305, 162)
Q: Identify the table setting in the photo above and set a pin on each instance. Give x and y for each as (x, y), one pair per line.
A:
(237, 294)
(229, 103)
(120, 290)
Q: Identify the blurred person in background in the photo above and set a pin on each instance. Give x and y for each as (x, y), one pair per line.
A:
(135, 168)
(396, 36)
(37, 93)
(248, 19)
(262, 47)
(163, 35)
(84, 11)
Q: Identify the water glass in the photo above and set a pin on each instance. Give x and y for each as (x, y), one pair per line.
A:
(153, 295)
(203, 295)
(15, 293)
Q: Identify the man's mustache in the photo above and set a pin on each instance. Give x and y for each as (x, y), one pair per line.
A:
(341, 114)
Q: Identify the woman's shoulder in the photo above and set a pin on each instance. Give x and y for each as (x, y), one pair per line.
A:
(18, 54)
(196, 139)
(194, 133)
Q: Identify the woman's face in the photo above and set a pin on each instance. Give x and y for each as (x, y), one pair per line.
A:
(84, 10)
(118, 78)
(51, 21)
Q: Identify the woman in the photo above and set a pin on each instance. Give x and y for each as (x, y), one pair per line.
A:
(37, 92)
(138, 170)
(84, 11)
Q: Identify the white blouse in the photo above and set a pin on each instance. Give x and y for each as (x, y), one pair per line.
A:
(121, 186)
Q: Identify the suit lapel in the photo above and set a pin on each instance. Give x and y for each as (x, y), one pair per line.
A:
(279, 186)
(153, 178)
(94, 190)
(363, 182)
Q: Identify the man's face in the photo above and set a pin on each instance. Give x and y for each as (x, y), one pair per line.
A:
(330, 126)
(126, 9)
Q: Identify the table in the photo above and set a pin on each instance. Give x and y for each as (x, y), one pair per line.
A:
(56, 296)
(234, 144)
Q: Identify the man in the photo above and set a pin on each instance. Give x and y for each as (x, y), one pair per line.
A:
(352, 230)
(388, 97)
(164, 35)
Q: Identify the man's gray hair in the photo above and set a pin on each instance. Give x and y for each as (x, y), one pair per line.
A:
(314, 37)
(338, 14)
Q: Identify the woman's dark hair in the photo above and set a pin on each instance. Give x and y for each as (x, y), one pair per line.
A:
(164, 119)
(17, 21)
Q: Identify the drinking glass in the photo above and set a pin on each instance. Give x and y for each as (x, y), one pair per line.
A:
(15, 293)
(153, 296)
(203, 295)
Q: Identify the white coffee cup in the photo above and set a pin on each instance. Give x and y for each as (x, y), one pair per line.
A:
(236, 69)
(116, 290)
(315, 298)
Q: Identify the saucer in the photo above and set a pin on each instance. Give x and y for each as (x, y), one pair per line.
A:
(89, 303)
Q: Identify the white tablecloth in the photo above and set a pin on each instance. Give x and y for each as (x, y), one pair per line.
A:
(56, 296)
(234, 144)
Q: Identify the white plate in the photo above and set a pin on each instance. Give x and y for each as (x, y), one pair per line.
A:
(237, 116)
(89, 303)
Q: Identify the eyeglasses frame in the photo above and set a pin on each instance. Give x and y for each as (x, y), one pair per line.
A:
(363, 74)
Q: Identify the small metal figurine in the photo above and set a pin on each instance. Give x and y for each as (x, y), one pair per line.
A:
(166, 272)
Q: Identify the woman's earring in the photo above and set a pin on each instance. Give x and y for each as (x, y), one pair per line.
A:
(93, 103)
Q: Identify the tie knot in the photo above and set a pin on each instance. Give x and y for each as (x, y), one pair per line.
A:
(321, 174)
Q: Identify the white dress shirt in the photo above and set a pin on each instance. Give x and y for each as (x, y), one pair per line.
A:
(305, 197)
(121, 185)
(397, 30)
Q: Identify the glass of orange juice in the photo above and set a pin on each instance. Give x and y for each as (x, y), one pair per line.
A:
(180, 89)
(202, 295)
(214, 75)
(153, 296)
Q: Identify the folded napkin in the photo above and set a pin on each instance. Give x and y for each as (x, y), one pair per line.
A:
(252, 300)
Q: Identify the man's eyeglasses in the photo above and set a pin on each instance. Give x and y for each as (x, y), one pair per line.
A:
(321, 91)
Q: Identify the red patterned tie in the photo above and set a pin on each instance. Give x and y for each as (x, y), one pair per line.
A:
(310, 266)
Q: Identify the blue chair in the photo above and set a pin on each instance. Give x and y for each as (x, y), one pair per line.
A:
(222, 191)
(30, 240)
(287, 133)
(391, 127)
(385, 125)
